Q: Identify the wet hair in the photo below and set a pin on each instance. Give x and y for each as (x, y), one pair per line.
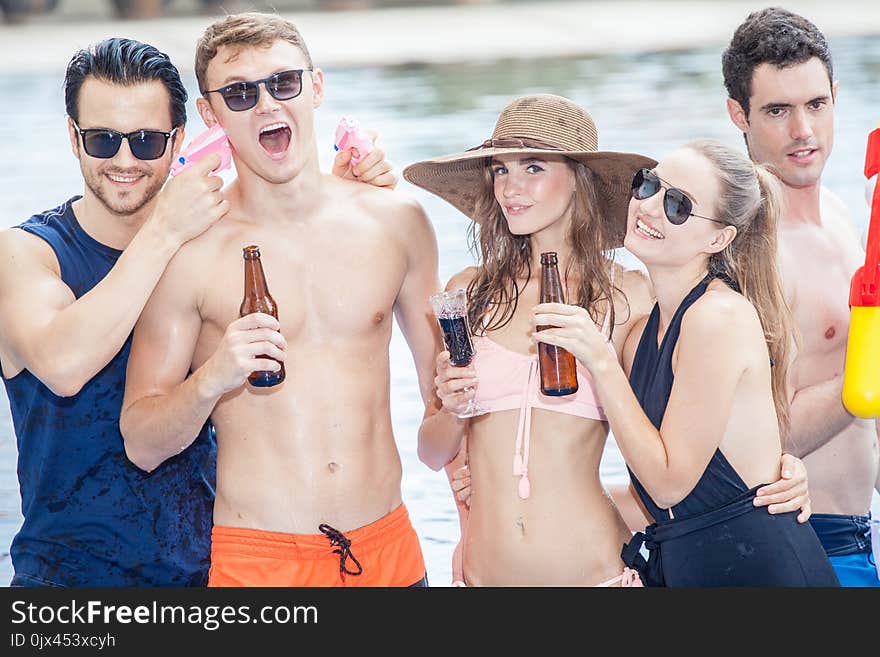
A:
(505, 259)
(128, 63)
(751, 201)
(773, 36)
(249, 29)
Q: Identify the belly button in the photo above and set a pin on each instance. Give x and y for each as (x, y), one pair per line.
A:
(521, 526)
(333, 466)
(830, 333)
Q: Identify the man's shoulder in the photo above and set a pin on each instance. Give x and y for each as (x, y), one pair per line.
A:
(51, 213)
(31, 240)
(389, 215)
(214, 248)
(836, 228)
(836, 215)
(215, 245)
(49, 221)
(397, 206)
(378, 202)
(14, 239)
(826, 195)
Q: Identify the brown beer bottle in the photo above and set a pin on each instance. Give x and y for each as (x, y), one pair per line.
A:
(258, 300)
(558, 367)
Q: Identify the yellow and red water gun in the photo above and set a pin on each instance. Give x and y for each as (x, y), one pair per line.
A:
(861, 374)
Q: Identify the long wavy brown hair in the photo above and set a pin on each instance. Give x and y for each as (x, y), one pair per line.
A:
(505, 259)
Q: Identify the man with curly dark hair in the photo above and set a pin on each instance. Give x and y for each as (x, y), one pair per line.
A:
(781, 87)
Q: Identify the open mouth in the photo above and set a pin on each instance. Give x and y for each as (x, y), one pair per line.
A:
(275, 139)
(647, 231)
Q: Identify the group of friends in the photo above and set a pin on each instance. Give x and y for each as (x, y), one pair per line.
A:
(145, 459)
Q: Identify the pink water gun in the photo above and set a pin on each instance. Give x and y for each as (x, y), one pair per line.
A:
(349, 136)
(210, 141)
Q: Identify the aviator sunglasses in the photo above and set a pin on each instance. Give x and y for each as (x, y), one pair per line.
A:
(241, 96)
(104, 143)
(676, 204)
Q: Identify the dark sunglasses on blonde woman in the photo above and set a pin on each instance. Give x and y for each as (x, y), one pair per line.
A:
(676, 204)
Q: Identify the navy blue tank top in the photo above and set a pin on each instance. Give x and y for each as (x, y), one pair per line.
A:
(651, 379)
(91, 517)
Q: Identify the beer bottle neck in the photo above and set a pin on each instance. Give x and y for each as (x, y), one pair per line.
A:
(551, 286)
(254, 279)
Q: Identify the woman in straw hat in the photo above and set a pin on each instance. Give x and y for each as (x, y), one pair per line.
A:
(538, 184)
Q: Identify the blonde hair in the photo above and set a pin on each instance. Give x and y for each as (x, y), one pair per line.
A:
(250, 29)
(751, 201)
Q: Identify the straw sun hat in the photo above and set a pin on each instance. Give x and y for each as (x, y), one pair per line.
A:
(543, 124)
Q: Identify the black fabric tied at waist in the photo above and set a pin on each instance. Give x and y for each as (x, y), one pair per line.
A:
(337, 538)
(651, 569)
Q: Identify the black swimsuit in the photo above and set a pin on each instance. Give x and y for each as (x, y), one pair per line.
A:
(717, 537)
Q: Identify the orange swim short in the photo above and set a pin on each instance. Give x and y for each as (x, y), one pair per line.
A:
(383, 553)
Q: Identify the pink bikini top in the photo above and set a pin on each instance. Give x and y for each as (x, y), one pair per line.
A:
(509, 380)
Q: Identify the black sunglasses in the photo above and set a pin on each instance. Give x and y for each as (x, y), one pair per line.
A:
(241, 96)
(676, 204)
(104, 143)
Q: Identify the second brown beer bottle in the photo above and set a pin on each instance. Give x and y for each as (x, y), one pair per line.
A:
(258, 300)
(558, 367)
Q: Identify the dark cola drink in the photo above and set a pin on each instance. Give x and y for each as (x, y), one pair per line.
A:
(457, 339)
(450, 307)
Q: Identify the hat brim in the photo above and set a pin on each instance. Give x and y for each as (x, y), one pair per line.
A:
(457, 178)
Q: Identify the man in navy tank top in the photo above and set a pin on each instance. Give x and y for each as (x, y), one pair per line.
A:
(778, 74)
(73, 281)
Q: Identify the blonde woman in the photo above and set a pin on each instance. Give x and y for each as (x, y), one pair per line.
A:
(699, 407)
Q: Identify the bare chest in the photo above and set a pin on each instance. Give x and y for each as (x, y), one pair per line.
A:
(817, 268)
(327, 288)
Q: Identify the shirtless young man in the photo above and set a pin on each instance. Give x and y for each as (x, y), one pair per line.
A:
(308, 473)
(778, 74)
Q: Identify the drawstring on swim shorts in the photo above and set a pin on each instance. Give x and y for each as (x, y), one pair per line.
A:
(344, 550)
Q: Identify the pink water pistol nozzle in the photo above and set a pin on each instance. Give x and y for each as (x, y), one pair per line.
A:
(349, 136)
(210, 141)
